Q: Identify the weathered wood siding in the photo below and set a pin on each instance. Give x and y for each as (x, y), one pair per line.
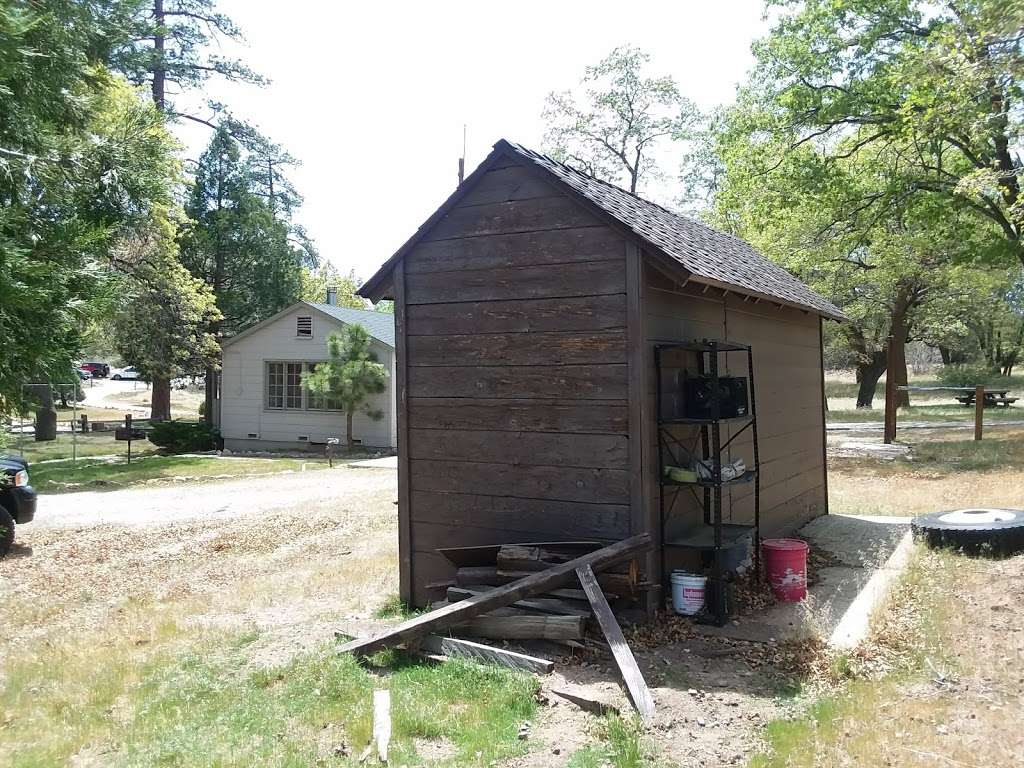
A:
(790, 412)
(516, 376)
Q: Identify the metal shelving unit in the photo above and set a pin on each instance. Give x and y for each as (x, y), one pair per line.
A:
(716, 535)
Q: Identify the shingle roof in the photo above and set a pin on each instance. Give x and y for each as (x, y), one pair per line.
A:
(380, 325)
(704, 252)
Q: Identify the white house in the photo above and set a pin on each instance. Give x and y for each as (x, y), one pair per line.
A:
(262, 404)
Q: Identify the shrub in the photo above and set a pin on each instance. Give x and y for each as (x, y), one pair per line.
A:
(184, 436)
(967, 374)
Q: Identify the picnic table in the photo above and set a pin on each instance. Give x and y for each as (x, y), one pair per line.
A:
(993, 397)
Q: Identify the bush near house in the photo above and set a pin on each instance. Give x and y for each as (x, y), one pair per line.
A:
(184, 436)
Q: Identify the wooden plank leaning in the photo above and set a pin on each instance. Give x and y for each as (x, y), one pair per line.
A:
(555, 576)
(631, 674)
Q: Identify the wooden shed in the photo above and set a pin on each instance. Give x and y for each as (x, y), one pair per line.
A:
(527, 313)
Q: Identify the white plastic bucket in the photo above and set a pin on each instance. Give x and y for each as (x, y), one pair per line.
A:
(688, 592)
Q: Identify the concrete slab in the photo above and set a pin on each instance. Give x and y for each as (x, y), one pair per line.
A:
(384, 462)
(869, 552)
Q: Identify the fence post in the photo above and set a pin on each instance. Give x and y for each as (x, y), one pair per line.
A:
(979, 410)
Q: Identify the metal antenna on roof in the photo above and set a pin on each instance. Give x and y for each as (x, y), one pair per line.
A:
(462, 160)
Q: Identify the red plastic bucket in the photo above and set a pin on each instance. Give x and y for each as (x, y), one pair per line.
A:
(785, 562)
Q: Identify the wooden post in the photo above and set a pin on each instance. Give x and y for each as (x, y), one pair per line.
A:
(979, 410)
(128, 429)
(890, 398)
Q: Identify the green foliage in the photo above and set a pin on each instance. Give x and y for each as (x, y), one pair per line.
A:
(931, 87)
(611, 129)
(188, 31)
(350, 376)
(315, 282)
(239, 244)
(161, 326)
(80, 165)
(184, 436)
(967, 374)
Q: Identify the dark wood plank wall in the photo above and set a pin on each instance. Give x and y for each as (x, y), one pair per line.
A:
(517, 375)
(787, 370)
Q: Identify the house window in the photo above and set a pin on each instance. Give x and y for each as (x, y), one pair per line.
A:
(316, 402)
(304, 327)
(275, 385)
(284, 385)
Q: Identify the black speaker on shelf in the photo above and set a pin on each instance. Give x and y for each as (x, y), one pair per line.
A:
(700, 397)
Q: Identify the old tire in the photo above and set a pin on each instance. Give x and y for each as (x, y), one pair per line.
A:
(987, 531)
(6, 531)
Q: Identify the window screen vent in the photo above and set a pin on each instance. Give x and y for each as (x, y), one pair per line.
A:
(304, 327)
(253, 434)
(303, 438)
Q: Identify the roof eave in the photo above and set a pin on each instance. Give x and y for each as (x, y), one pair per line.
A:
(838, 316)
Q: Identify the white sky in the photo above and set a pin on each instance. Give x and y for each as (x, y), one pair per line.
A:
(372, 97)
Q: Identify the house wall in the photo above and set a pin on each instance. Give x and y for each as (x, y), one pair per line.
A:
(512, 323)
(243, 391)
(788, 391)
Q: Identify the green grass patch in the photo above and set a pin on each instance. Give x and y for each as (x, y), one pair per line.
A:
(847, 387)
(394, 608)
(207, 707)
(621, 744)
(101, 474)
(82, 445)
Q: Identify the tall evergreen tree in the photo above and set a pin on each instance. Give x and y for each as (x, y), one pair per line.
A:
(238, 244)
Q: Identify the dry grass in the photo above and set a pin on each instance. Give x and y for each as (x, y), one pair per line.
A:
(939, 682)
(945, 472)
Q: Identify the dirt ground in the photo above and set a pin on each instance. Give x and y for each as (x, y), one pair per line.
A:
(297, 560)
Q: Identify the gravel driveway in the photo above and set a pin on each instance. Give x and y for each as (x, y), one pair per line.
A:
(288, 555)
(293, 493)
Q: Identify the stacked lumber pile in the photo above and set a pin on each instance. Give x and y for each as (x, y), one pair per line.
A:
(547, 591)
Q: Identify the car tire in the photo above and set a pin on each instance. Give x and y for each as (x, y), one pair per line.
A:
(987, 531)
(116, 377)
(6, 531)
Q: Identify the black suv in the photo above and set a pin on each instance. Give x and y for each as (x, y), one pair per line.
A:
(17, 499)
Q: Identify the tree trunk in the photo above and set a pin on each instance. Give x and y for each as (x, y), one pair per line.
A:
(899, 330)
(349, 440)
(160, 403)
(869, 371)
(159, 73)
(46, 414)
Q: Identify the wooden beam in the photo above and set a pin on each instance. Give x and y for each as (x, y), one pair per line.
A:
(979, 411)
(553, 577)
(614, 584)
(382, 723)
(486, 654)
(524, 627)
(401, 384)
(553, 605)
(631, 674)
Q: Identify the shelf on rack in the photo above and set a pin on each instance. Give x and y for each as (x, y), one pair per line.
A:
(685, 420)
(746, 477)
(705, 345)
(704, 537)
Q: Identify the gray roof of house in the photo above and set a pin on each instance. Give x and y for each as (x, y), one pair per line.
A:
(705, 252)
(380, 325)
